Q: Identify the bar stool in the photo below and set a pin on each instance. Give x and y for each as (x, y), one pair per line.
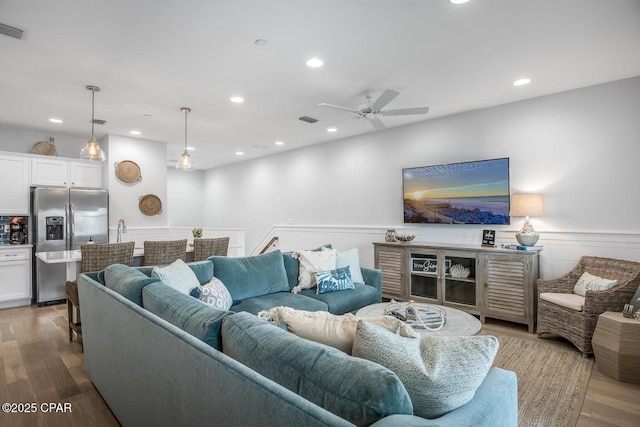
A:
(94, 258)
(161, 252)
(204, 248)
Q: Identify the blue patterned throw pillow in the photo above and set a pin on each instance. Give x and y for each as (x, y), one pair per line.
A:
(334, 280)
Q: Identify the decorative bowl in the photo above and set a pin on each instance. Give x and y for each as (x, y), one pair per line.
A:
(405, 237)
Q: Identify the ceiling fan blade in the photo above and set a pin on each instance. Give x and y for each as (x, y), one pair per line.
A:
(324, 104)
(387, 96)
(377, 123)
(405, 111)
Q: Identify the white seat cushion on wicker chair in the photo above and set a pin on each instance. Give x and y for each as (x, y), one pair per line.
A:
(572, 301)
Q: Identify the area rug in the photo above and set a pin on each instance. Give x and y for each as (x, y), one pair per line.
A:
(552, 381)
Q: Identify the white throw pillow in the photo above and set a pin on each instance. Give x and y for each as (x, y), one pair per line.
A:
(592, 283)
(177, 275)
(351, 259)
(330, 329)
(439, 373)
(309, 262)
(214, 293)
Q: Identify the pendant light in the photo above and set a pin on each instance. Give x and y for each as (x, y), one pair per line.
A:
(185, 163)
(92, 150)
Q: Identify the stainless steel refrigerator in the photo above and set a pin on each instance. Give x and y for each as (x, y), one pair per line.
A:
(64, 219)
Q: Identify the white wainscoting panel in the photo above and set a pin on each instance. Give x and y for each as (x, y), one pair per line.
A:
(561, 252)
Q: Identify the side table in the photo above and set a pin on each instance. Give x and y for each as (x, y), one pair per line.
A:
(616, 346)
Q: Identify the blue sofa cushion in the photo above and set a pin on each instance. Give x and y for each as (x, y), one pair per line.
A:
(355, 389)
(203, 270)
(127, 281)
(345, 301)
(277, 299)
(252, 276)
(186, 312)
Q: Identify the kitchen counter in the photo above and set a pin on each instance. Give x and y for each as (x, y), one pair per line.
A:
(72, 256)
(10, 246)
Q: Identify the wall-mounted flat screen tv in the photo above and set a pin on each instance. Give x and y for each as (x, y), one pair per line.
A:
(457, 193)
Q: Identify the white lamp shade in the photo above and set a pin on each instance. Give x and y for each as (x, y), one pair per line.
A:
(527, 204)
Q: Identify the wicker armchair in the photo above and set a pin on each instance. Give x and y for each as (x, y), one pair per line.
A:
(204, 248)
(94, 258)
(164, 251)
(578, 326)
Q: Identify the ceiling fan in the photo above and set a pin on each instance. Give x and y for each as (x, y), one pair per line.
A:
(373, 111)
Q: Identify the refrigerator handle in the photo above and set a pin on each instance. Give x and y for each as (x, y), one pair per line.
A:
(70, 225)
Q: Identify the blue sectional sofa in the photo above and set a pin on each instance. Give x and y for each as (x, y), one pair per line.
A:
(160, 357)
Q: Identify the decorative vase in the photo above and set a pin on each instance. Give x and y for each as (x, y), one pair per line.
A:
(197, 232)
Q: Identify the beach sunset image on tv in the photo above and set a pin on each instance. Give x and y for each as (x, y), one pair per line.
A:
(457, 193)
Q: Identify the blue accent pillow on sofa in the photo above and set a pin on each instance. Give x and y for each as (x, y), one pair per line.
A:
(252, 276)
(334, 280)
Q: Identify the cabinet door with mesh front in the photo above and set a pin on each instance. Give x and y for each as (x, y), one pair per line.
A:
(390, 261)
(510, 288)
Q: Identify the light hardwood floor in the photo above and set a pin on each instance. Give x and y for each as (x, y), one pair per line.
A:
(39, 365)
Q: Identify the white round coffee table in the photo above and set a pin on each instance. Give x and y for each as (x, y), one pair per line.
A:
(458, 323)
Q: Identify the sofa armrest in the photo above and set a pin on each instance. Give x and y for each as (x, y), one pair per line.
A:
(373, 277)
(495, 404)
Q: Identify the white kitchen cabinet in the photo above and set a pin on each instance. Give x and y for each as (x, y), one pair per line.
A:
(15, 276)
(66, 173)
(14, 174)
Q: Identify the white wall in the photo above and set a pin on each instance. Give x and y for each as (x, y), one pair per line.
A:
(579, 148)
(185, 192)
(151, 157)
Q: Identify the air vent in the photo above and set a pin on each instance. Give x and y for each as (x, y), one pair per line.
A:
(99, 122)
(10, 31)
(307, 119)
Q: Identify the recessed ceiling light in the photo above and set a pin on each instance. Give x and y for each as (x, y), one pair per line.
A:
(522, 81)
(146, 116)
(314, 62)
(239, 153)
(236, 99)
(458, 1)
(52, 120)
(279, 143)
(261, 42)
(135, 132)
(332, 129)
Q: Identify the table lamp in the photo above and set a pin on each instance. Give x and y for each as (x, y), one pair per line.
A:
(527, 204)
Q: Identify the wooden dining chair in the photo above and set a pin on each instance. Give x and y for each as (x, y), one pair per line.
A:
(94, 258)
(204, 248)
(162, 252)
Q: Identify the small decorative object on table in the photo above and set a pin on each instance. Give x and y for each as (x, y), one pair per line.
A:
(390, 235)
(197, 232)
(489, 238)
(628, 311)
(432, 319)
(405, 237)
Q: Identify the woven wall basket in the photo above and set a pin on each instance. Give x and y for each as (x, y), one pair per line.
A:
(128, 171)
(150, 205)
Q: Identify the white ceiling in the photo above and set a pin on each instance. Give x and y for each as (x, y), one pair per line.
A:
(153, 57)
